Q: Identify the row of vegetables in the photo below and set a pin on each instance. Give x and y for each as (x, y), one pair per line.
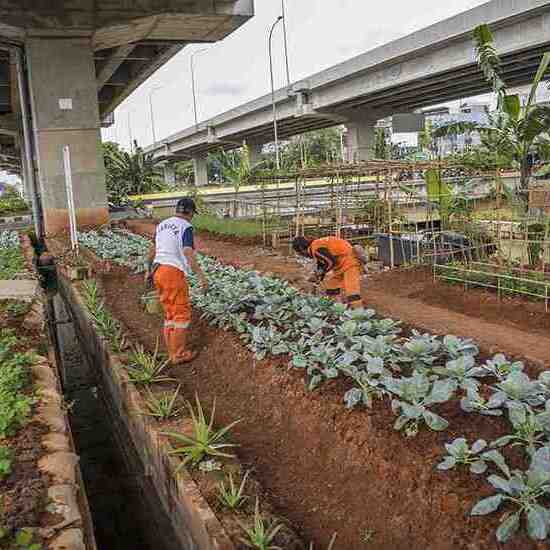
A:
(11, 258)
(414, 373)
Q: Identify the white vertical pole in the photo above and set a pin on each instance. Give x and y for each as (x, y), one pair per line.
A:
(70, 197)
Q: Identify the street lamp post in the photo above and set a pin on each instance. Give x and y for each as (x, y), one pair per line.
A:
(152, 113)
(193, 83)
(130, 133)
(277, 159)
(283, 11)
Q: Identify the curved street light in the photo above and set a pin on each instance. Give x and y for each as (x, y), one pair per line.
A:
(151, 111)
(275, 132)
(285, 42)
(193, 82)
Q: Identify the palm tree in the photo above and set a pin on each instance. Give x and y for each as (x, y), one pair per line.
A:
(516, 129)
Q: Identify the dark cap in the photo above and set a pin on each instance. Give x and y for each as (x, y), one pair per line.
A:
(186, 206)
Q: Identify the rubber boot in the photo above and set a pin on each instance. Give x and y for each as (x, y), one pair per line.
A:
(179, 347)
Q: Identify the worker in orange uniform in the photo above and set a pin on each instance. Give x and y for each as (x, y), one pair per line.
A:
(340, 267)
(171, 261)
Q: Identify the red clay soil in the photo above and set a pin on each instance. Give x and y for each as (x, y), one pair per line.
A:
(325, 468)
(517, 327)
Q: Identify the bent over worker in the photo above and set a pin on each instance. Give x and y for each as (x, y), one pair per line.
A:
(339, 268)
(174, 258)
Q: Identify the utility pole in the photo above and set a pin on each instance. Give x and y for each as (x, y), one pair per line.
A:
(152, 113)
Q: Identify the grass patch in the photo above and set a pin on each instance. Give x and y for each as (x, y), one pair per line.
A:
(227, 226)
(13, 206)
(11, 263)
(505, 214)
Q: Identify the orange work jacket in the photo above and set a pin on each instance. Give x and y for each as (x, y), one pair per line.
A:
(333, 254)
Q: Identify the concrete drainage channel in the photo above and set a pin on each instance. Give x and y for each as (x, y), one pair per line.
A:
(126, 512)
(119, 510)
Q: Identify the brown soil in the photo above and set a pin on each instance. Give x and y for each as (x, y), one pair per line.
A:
(515, 326)
(326, 468)
(23, 493)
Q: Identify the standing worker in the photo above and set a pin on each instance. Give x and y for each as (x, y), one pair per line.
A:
(171, 260)
(340, 266)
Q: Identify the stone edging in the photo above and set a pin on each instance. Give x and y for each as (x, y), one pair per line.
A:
(194, 522)
(66, 495)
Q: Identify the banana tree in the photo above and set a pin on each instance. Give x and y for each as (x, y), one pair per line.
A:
(237, 168)
(516, 128)
(129, 173)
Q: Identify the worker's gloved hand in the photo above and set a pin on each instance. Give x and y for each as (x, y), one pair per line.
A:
(313, 278)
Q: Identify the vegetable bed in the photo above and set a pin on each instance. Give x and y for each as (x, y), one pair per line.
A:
(23, 488)
(326, 448)
(12, 261)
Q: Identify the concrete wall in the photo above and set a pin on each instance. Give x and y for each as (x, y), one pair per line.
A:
(63, 70)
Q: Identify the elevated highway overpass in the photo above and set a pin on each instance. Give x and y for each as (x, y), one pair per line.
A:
(75, 61)
(433, 65)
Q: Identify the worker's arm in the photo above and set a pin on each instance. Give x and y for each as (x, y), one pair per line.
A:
(189, 253)
(325, 262)
(148, 269)
(151, 255)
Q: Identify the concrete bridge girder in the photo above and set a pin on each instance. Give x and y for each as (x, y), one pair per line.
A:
(83, 59)
(431, 66)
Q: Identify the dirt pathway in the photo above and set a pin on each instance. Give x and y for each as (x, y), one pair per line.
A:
(516, 327)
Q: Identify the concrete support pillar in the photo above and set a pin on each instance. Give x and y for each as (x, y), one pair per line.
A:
(65, 110)
(255, 151)
(170, 174)
(200, 169)
(360, 138)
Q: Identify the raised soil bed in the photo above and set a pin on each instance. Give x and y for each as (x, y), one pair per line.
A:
(189, 497)
(326, 468)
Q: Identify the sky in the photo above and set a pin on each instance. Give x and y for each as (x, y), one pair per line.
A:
(321, 33)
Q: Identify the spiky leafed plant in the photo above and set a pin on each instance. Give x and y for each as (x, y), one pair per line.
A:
(129, 173)
(236, 167)
(515, 128)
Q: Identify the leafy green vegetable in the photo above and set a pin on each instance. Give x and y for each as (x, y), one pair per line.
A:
(474, 402)
(476, 457)
(524, 491)
(416, 394)
(6, 457)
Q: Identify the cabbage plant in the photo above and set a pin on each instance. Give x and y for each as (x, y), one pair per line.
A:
(518, 388)
(462, 369)
(415, 396)
(530, 429)
(500, 367)
(524, 492)
(477, 457)
(368, 383)
(9, 239)
(474, 402)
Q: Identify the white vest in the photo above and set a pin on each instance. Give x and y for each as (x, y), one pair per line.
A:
(169, 243)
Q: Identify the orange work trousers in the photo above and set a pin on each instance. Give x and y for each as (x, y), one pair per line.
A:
(173, 290)
(347, 282)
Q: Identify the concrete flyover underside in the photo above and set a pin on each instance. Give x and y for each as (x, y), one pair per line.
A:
(430, 66)
(82, 58)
